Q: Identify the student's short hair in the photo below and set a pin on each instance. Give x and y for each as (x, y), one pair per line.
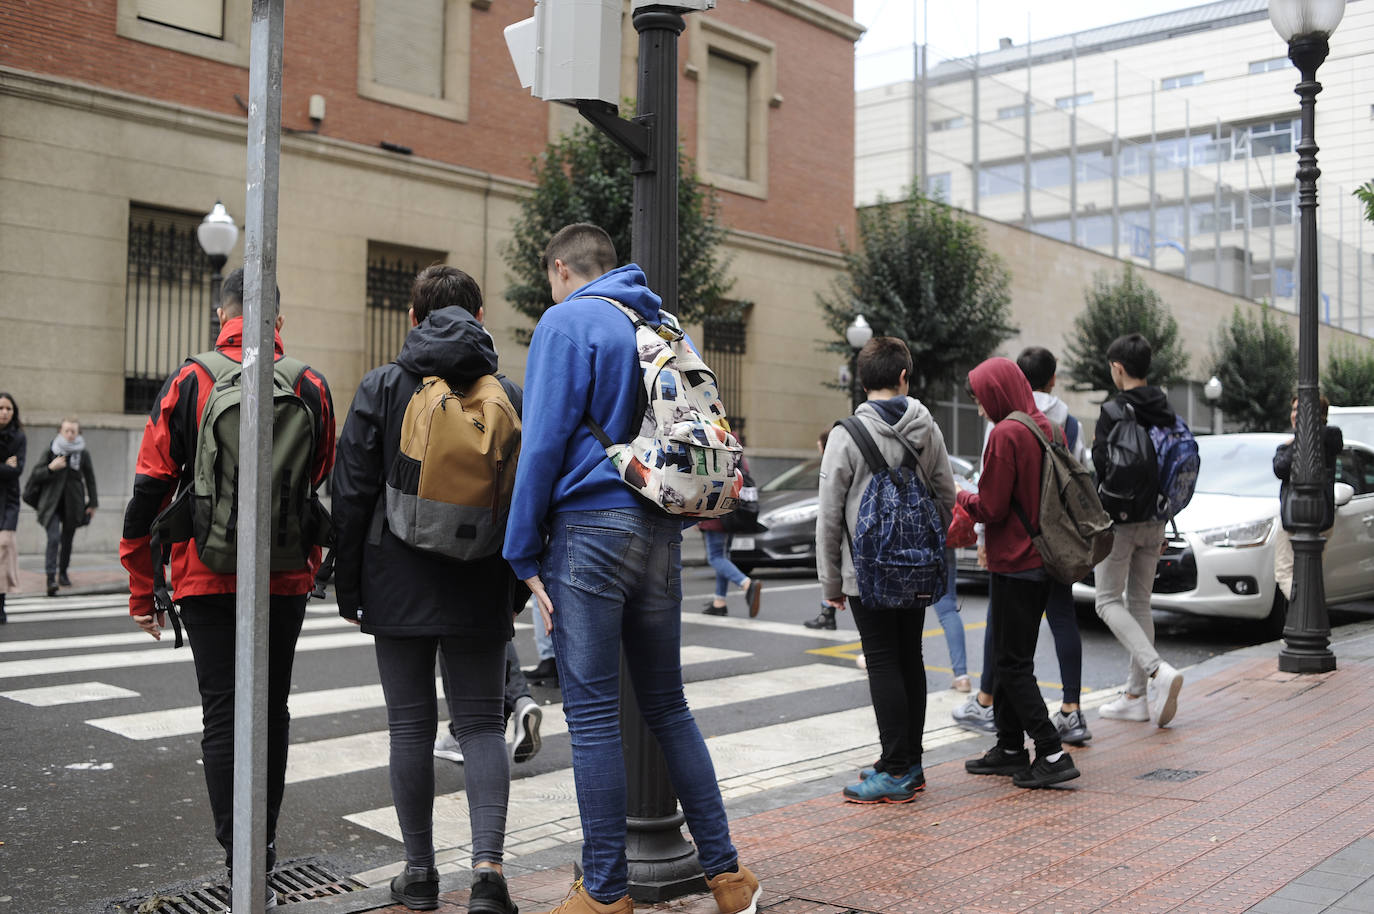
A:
(1038, 364)
(72, 419)
(1133, 352)
(231, 295)
(882, 361)
(1325, 405)
(442, 286)
(584, 248)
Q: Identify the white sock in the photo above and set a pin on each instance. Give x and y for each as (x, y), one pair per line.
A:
(1056, 757)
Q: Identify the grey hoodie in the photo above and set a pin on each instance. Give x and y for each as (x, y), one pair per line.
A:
(845, 476)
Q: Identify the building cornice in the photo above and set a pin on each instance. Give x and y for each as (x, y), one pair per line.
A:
(818, 14)
(127, 107)
(766, 244)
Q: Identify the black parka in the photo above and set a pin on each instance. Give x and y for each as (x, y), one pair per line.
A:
(399, 591)
(13, 443)
(68, 490)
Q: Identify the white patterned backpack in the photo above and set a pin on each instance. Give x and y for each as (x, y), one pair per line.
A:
(683, 459)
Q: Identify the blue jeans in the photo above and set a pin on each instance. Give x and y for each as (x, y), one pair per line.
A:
(615, 577)
(947, 609)
(718, 556)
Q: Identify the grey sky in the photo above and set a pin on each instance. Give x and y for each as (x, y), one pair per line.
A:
(884, 53)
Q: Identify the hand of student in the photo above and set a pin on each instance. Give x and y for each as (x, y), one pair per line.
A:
(12, 460)
(153, 624)
(57, 463)
(90, 512)
(836, 604)
(536, 587)
(982, 556)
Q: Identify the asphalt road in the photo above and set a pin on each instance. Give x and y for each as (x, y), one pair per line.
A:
(100, 771)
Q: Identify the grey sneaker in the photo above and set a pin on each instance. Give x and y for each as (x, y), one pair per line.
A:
(1072, 727)
(526, 741)
(446, 747)
(973, 716)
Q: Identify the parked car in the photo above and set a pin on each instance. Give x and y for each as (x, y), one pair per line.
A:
(788, 505)
(1356, 422)
(1218, 559)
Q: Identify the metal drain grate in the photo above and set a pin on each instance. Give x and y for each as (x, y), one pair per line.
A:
(302, 880)
(1170, 774)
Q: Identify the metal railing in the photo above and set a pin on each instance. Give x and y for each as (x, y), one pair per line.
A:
(723, 347)
(388, 307)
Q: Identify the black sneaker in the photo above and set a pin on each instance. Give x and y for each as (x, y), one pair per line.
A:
(825, 619)
(64, 580)
(714, 610)
(489, 893)
(1043, 773)
(416, 887)
(546, 671)
(52, 586)
(998, 761)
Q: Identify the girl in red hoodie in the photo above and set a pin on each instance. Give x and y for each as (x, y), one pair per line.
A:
(1007, 502)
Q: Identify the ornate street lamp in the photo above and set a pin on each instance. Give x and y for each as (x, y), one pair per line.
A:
(217, 235)
(1212, 390)
(1306, 25)
(857, 334)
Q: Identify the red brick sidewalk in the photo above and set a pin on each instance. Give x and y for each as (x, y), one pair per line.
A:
(1273, 775)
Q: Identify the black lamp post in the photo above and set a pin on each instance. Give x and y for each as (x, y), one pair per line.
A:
(1306, 25)
(857, 334)
(217, 235)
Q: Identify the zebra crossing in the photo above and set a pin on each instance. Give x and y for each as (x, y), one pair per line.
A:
(94, 674)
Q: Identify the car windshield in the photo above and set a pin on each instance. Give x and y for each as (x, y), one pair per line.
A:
(1237, 466)
(804, 477)
(1355, 426)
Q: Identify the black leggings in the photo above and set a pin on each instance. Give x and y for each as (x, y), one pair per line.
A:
(896, 681)
(476, 674)
(1068, 644)
(210, 626)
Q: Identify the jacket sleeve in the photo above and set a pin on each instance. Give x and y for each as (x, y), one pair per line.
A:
(1283, 460)
(314, 390)
(938, 471)
(1099, 452)
(837, 475)
(992, 502)
(88, 474)
(358, 480)
(21, 451)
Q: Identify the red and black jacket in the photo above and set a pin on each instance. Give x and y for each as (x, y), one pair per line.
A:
(166, 460)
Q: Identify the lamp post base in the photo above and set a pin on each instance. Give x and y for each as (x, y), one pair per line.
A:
(1303, 661)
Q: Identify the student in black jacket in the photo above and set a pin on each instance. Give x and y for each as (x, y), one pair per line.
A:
(14, 449)
(67, 500)
(1333, 442)
(417, 604)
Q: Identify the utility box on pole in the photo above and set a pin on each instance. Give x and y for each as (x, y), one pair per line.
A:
(569, 50)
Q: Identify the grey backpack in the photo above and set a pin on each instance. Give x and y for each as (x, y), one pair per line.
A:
(1075, 532)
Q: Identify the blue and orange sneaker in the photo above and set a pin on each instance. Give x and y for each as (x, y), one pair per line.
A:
(882, 787)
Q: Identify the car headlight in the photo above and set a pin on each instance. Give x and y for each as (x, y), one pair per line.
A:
(1239, 536)
(792, 515)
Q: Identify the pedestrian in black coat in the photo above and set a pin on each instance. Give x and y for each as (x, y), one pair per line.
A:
(66, 500)
(14, 450)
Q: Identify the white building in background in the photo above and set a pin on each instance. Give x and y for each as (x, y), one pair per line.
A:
(1057, 136)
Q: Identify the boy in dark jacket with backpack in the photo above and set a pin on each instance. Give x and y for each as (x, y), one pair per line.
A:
(1125, 578)
(166, 460)
(1018, 584)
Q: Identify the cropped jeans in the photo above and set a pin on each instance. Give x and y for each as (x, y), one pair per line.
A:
(947, 610)
(718, 556)
(615, 577)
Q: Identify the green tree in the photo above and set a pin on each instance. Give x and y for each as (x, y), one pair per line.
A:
(1257, 364)
(1365, 193)
(922, 272)
(585, 177)
(1116, 306)
(1349, 376)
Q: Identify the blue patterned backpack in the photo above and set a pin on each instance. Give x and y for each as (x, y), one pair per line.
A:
(898, 542)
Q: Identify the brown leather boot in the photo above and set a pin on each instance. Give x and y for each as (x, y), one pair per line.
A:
(736, 893)
(579, 902)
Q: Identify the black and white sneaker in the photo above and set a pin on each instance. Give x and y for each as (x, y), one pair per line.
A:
(1044, 773)
(998, 761)
(526, 741)
(1072, 727)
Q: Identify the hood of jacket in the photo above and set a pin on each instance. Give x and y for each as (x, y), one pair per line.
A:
(900, 417)
(1055, 409)
(1002, 389)
(628, 286)
(1151, 405)
(451, 344)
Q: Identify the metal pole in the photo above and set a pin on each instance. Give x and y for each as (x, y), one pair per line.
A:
(1246, 259)
(1116, 159)
(1216, 214)
(1153, 157)
(1027, 219)
(977, 55)
(255, 448)
(1309, 509)
(925, 93)
(1073, 150)
(1187, 196)
(1359, 277)
(917, 176)
(216, 281)
(1273, 227)
(1340, 258)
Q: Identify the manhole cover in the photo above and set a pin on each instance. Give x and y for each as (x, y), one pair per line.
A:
(1169, 774)
(302, 880)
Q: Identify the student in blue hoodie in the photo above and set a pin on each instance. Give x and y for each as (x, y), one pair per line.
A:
(606, 569)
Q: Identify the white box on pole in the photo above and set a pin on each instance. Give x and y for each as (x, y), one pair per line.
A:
(579, 50)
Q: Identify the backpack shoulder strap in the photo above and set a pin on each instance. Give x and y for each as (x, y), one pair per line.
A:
(290, 370)
(215, 363)
(1071, 429)
(1029, 423)
(867, 446)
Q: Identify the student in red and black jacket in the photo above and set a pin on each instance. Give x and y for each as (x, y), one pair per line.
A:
(206, 599)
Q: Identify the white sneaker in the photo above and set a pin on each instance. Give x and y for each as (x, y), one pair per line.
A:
(446, 747)
(1125, 708)
(1165, 685)
(526, 741)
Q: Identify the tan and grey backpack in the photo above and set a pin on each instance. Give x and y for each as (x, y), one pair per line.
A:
(449, 490)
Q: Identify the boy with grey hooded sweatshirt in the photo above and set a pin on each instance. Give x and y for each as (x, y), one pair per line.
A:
(891, 637)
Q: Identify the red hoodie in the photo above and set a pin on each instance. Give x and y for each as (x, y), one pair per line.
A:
(1011, 466)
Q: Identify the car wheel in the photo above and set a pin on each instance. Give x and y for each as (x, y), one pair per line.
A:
(1278, 617)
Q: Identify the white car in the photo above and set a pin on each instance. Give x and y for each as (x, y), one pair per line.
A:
(1219, 556)
(1356, 422)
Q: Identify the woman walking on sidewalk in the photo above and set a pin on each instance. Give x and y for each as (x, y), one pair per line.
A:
(66, 498)
(718, 539)
(14, 449)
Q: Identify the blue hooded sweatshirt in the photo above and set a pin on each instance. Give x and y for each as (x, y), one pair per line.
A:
(583, 362)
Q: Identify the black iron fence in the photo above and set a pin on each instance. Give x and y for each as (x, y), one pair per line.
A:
(388, 306)
(723, 347)
(167, 301)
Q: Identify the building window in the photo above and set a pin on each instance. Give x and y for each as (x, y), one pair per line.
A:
(214, 29)
(1178, 82)
(415, 54)
(724, 344)
(1000, 179)
(391, 271)
(1273, 63)
(166, 301)
(1268, 138)
(949, 123)
(1279, 211)
(738, 85)
(939, 186)
(1011, 111)
(1067, 102)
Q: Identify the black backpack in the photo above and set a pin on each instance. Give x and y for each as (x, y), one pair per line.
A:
(1129, 488)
